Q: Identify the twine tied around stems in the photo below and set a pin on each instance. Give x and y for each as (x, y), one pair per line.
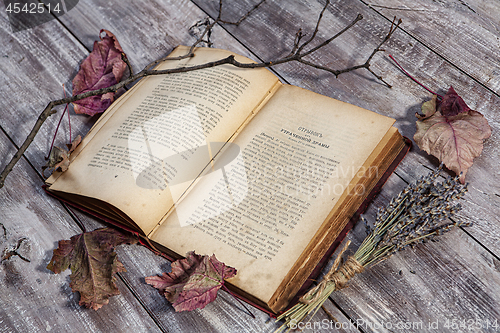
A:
(336, 275)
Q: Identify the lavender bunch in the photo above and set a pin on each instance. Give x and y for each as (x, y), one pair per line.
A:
(417, 214)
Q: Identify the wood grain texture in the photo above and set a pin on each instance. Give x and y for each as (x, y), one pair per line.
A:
(466, 33)
(159, 26)
(453, 278)
(456, 278)
(35, 64)
(225, 314)
(34, 299)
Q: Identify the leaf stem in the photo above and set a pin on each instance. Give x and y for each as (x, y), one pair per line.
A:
(236, 297)
(411, 77)
(55, 134)
(69, 119)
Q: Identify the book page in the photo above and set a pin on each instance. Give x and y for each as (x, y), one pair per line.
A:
(260, 206)
(151, 144)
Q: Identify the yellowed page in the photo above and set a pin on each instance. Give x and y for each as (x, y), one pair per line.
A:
(152, 143)
(259, 209)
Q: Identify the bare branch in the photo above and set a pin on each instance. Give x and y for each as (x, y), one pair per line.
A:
(328, 41)
(378, 48)
(296, 42)
(296, 54)
(194, 30)
(316, 29)
(129, 66)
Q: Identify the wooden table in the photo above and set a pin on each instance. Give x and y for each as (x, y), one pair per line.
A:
(448, 42)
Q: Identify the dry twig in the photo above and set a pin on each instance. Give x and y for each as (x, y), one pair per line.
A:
(297, 53)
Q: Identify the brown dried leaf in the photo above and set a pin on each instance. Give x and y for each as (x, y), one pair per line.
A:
(455, 139)
(59, 158)
(193, 282)
(72, 146)
(93, 262)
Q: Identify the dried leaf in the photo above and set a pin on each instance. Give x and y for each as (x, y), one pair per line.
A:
(193, 282)
(452, 104)
(93, 262)
(72, 146)
(59, 158)
(455, 139)
(428, 109)
(102, 68)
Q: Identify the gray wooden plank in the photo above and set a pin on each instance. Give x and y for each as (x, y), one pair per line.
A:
(482, 202)
(225, 314)
(35, 64)
(464, 32)
(34, 299)
(158, 27)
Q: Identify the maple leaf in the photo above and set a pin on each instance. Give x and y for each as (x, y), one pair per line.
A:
(452, 132)
(59, 158)
(103, 68)
(193, 282)
(93, 262)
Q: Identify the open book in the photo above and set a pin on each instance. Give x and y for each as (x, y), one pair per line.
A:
(232, 162)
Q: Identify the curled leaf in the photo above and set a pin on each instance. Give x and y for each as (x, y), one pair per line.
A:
(428, 109)
(452, 104)
(72, 146)
(193, 282)
(455, 138)
(59, 158)
(93, 262)
(103, 68)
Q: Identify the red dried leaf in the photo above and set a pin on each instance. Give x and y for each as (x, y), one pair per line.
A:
(454, 139)
(93, 262)
(102, 68)
(452, 104)
(193, 282)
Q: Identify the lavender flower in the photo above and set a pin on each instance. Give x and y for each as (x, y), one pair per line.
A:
(417, 214)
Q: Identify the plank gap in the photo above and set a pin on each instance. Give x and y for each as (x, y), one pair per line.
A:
(74, 216)
(478, 242)
(345, 314)
(432, 50)
(401, 177)
(146, 308)
(66, 28)
(282, 79)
